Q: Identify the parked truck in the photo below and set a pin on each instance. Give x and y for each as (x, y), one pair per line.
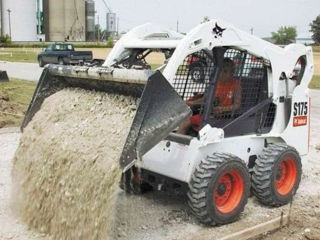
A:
(63, 54)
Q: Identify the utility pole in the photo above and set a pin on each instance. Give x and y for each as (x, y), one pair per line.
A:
(1, 19)
(98, 29)
(39, 17)
(118, 26)
(177, 25)
(9, 12)
(251, 30)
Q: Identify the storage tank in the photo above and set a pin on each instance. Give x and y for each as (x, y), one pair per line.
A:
(64, 20)
(90, 16)
(54, 14)
(23, 19)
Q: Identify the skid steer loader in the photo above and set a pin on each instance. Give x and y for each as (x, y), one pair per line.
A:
(258, 144)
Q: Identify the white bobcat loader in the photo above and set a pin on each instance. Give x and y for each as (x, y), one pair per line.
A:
(259, 144)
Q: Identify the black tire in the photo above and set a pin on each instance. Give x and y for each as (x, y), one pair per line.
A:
(41, 62)
(204, 187)
(197, 72)
(270, 184)
(60, 61)
(131, 184)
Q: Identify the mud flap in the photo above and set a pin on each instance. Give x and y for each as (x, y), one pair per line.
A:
(4, 76)
(160, 111)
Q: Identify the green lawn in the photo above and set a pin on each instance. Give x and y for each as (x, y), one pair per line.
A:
(18, 55)
(315, 83)
(19, 91)
(15, 97)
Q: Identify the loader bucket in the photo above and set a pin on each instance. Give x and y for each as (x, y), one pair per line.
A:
(160, 111)
(4, 76)
(160, 108)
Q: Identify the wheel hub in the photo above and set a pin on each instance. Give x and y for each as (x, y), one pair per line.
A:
(286, 176)
(229, 191)
(221, 189)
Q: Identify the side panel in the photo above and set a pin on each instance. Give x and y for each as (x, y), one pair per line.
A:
(169, 159)
(242, 147)
(179, 161)
(296, 133)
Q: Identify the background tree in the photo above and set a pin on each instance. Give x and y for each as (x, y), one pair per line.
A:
(110, 42)
(98, 32)
(284, 35)
(315, 29)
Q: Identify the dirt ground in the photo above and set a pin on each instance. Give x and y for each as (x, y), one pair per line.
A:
(162, 216)
(15, 96)
(9, 111)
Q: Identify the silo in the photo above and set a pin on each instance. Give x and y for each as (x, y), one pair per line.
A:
(54, 20)
(75, 20)
(64, 20)
(90, 13)
(23, 21)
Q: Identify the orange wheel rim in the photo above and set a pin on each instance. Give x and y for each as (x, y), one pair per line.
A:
(229, 191)
(286, 176)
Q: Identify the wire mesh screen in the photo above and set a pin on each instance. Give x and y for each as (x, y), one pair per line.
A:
(193, 75)
(242, 85)
(269, 119)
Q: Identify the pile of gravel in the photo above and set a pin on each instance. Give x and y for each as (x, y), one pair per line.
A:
(65, 171)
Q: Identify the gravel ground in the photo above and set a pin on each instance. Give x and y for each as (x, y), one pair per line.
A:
(11, 226)
(161, 216)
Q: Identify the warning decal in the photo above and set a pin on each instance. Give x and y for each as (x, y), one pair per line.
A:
(300, 121)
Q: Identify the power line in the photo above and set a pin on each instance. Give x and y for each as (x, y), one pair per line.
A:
(109, 9)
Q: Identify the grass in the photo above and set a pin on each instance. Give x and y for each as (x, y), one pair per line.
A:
(19, 93)
(315, 83)
(19, 55)
(316, 49)
(45, 44)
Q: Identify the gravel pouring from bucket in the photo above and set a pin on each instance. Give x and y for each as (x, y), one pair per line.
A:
(160, 109)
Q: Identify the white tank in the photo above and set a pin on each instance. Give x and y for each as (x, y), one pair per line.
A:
(64, 20)
(23, 19)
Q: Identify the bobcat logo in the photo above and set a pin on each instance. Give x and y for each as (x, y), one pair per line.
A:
(217, 31)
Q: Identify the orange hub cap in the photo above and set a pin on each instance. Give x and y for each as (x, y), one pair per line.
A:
(286, 176)
(229, 191)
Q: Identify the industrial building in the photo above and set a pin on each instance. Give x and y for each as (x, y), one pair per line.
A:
(49, 20)
(18, 19)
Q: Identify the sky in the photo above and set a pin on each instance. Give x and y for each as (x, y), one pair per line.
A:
(263, 16)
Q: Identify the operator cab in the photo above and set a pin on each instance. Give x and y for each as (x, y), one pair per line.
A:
(199, 75)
